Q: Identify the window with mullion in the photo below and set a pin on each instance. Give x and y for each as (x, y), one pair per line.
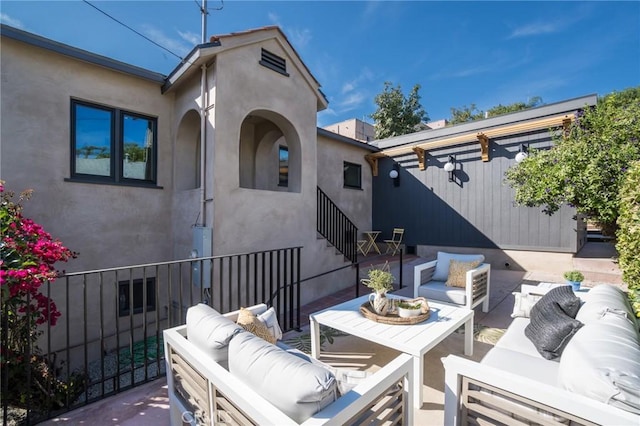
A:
(112, 145)
(93, 141)
(138, 139)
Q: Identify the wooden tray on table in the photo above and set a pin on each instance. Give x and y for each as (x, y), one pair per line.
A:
(392, 317)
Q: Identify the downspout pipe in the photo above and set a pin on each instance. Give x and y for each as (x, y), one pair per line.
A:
(203, 141)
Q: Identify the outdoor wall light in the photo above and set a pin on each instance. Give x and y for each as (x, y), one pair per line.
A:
(523, 154)
(395, 174)
(450, 167)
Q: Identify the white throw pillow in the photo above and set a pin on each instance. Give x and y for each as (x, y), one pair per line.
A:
(270, 319)
(444, 260)
(523, 304)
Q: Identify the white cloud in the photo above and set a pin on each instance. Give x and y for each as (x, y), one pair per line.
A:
(6, 19)
(189, 37)
(352, 101)
(300, 38)
(174, 45)
(347, 87)
(536, 29)
(275, 19)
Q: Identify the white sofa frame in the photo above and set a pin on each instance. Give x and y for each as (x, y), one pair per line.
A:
(201, 391)
(477, 283)
(464, 378)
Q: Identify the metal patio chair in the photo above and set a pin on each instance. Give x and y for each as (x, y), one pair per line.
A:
(394, 243)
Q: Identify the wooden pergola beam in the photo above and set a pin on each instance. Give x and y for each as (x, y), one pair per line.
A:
(543, 123)
(484, 146)
(373, 162)
(421, 153)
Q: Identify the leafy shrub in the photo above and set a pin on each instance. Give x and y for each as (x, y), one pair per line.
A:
(28, 255)
(585, 167)
(628, 235)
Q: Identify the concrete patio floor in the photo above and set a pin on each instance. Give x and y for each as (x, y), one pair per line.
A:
(149, 405)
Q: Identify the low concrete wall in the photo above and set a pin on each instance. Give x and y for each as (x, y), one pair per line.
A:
(517, 260)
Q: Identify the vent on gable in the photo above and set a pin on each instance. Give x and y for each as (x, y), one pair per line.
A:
(274, 62)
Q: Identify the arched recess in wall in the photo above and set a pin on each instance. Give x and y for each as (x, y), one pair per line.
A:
(270, 153)
(187, 152)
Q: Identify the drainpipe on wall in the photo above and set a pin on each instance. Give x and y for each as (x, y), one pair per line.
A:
(203, 139)
(203, 119)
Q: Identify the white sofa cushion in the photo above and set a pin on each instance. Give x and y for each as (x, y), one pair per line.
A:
(296, 387)
(514, 339)
(518, 363)
(439, 290)
(602, 361)
(210, 331)
(444, 260)
(605, 298)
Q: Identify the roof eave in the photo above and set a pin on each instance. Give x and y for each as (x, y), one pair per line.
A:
(79, 54)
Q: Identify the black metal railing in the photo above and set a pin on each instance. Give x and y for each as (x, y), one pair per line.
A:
(336, 227)
(109, 337)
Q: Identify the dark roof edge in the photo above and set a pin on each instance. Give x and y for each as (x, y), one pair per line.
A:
(79, 54)
(347, 140)
(560, 107)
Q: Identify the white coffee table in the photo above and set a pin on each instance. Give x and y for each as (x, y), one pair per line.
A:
(415, 339)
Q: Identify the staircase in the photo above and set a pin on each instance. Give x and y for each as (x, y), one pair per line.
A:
(336, 227)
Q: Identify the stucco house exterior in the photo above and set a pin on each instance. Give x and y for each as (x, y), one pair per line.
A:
(126, 163)
(228, 152)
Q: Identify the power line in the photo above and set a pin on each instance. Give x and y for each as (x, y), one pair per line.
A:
(128, 27)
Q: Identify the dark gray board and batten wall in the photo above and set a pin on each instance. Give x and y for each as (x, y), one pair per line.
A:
(477, 209)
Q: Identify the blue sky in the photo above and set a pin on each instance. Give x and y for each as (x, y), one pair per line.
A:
(460, 53)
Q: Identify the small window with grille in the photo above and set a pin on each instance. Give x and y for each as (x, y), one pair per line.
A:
(139, 298)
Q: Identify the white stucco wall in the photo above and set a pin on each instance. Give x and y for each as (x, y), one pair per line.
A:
(356, 203)
(250, 219)
(109, 225)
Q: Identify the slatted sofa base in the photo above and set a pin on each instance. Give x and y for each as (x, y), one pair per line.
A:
(202, 392)
(481, 403)
(480, 394)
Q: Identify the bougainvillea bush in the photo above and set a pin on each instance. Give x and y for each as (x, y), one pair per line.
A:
(28, 258)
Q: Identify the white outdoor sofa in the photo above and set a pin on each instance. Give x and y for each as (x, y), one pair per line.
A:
(430, 281)
(594, 381)
(204, 391)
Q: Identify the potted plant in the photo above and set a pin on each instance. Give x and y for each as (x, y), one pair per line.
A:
(574, 278)
(380, 281)
(408, 309)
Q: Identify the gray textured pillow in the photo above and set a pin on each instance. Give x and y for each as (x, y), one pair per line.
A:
(564, 297)
(550, 329)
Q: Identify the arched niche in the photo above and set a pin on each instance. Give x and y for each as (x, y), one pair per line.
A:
(187, 153)
(264, 136)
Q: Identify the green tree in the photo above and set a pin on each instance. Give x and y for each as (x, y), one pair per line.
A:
(585, 167)
(465, 114)
(396, 114)
(472, 113)
(628, 235)
(134, 152)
